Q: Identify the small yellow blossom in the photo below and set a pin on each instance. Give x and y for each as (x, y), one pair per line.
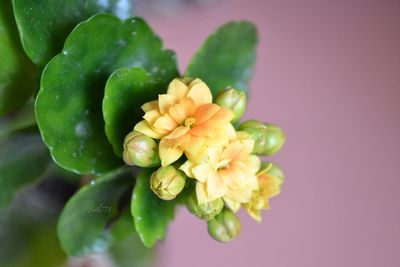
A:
(270, 179)
(186, 120)
(225, 171)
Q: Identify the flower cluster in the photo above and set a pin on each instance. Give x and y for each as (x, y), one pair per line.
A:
(196, 146)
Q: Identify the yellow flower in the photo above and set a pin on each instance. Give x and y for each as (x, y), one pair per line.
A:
(186, 120)
(270, 179)
(225, 171)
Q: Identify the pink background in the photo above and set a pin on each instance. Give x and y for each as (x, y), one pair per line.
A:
(328, 72)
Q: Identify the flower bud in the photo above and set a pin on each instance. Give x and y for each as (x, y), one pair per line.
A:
(225, 226)
(268, 138)
(234, 100)
(140, 150)
(205, 211)
(167, 182)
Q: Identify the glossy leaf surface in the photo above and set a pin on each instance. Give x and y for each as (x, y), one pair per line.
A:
(151, 214)
(86, 223)
(69, 103)
(226, 58)
(45, 24)
(126, 91)
(17, 73)
(23, 160)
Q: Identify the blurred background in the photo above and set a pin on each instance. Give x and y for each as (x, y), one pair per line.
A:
(328, 72)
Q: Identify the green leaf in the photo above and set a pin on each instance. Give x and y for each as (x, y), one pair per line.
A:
(23, 159)
(18, 121)
(130, 252)
(17, 73)
(126, 91)
(226, 58)
(24, 244)
(45, 24)
(28, 236)
(86, 223)
(151, 214)
(68, 106)
(43, 249)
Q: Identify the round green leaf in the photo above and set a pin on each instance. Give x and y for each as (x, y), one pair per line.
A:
(85, 225)
(23, 159)
(126, 91)
(17, 73)
(226, 58)
(69, 103)
(45, 24)
(151, 214)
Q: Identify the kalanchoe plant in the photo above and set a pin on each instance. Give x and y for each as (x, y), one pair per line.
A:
(114, 111)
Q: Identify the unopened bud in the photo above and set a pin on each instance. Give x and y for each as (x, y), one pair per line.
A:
(268, 138)
(234, 100)
(167, 182)
(225, 226)
(204, 211)
(140, 150)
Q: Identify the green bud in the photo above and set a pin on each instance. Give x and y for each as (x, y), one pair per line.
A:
(268, 137)
(140, 150)
(257, 132)
(225, 226)
(234, 100)
(167, 182)
(205, 211)
(273, 170)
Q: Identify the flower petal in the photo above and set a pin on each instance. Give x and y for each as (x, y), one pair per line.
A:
(202, 172)
(202, 130)
(181, 141)
(229, 131)
(227, 176)
(234, 206)
(215, 186)
(232, 150)
(195, 149)
(150, 106)
(222, 135)
(254, 213)
(151, 116)
(241, 195)
(182, 110)
(177, 88)
(187, 168)
(201, 193)
(252, 182)
(269, 185)
(165, 101)
(252, 163)
(223, 114)
(178, 132)
(165, 122)
(144, 128)
(199, 92)
(205, 112)
(214, 155)
(248, 146)
(168, 153)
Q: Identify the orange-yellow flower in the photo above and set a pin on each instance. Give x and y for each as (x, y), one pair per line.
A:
(225, 171)
(269, 184)
(186, 120)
